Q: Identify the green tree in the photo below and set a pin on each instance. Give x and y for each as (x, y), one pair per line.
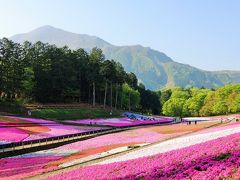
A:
(233, 102)
(149, 102)
(194, 104)
(164, 95)
(28, 83)
(120, 79)
(130, 97)
(174, 106)
(108, 71)
(80, 67)
(207, 108)
(96, 57)
(11, 68)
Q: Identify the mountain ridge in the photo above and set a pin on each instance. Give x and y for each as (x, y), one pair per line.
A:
(153, 68)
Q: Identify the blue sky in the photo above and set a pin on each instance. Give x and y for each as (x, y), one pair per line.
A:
(202, 33)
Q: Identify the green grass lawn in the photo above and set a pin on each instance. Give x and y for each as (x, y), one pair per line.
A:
(76, 113)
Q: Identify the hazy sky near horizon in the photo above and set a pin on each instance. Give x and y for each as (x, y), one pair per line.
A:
(202, 33)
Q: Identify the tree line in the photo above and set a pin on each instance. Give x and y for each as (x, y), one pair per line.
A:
(200, 101)
(44, 73)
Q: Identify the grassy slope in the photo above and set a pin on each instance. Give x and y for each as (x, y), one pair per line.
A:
(76, 113)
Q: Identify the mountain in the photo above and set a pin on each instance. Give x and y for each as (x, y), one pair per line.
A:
(153, 68)
(51, 35)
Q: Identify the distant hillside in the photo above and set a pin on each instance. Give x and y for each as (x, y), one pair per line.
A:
(153, 68)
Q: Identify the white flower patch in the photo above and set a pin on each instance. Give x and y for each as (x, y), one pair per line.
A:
(99, 155)
(173, 144)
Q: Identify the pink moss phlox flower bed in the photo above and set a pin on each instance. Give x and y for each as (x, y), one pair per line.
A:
(57, 129)
(120, 122)
(222, 127)
(215, 159)
(224, 116)
(15, 168)
(61, 130)
(32, 129)
(134, 136)
(12, 135)
(18, 167)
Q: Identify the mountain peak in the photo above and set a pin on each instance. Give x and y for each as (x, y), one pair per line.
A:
(46, 28)
(59, 37)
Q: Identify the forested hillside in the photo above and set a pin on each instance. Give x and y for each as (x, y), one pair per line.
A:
(153, 68)
(45, 73)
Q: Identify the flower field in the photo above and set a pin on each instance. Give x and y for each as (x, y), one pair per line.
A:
(180, 142)
(16, 129)
(68, 154)
(17, 168)
(214, 159)
(82, 151)
(121, 122)
(227, 126)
